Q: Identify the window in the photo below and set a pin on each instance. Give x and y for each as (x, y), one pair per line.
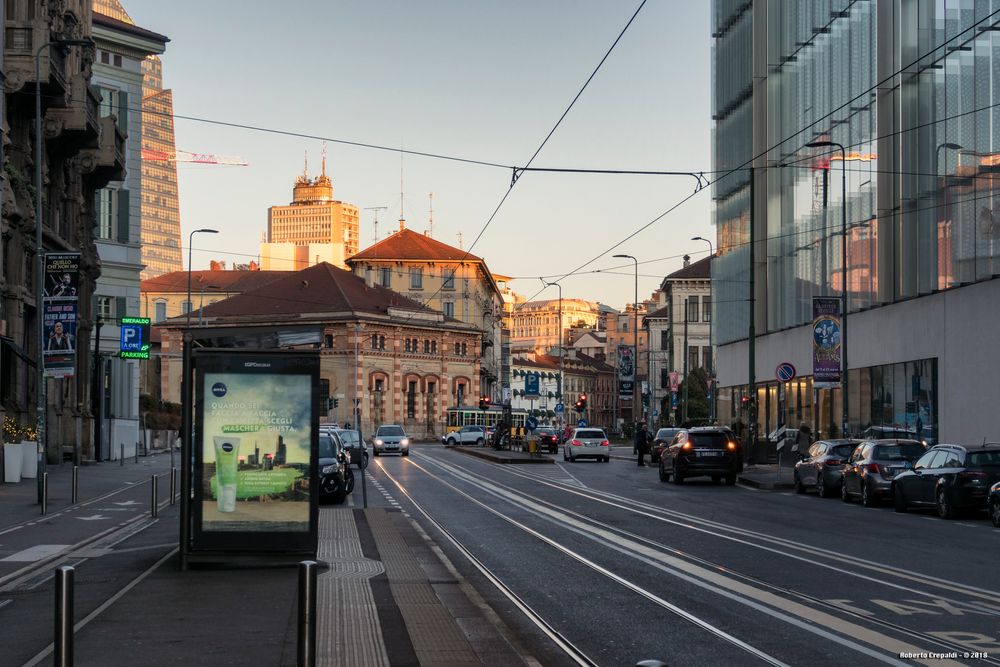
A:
(692, 358)
(381, 342)
(465, 350)
(458, 348)
(665, 340)
(385, 276)
(706, 357)
(374, 342)
(706, 309)
(692, 309)
(112, 215)
(379, 387)
(449, 309)
(461, 393)
(411, 400)
(434, 347)
(105, 308)
(664, 378)
(160, 308)
(416, 278)
(449, 279)
(406, 345)
(328, 340)
(427, 347)
(185, 307)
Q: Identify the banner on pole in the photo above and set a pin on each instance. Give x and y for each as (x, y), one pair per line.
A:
(59, 313)
(826, 335)
(626, 372)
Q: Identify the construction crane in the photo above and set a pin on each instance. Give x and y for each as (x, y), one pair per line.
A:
(196, 158)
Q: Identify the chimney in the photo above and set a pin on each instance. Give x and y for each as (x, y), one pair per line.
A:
(402, 224)
(687, 261)
(369, 277)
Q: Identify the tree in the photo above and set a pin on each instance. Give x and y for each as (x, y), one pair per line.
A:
(697, 396)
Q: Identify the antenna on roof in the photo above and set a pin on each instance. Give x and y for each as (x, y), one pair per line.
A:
(324, 159)
(459, 235)
(377, 209)
(402, 218)
(305, 165)
(430, 220)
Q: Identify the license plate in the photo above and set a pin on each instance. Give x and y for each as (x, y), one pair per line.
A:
(708, 454)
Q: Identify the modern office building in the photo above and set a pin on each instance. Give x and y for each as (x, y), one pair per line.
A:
(122, 48)
(901, 97)
(314, 228)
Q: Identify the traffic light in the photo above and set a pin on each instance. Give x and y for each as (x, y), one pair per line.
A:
(336, 402)
(484, 402)
(581, 403)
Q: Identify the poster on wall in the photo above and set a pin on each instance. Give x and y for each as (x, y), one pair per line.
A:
(256, 440)
(626, 372)
(826, 342)
(61, 290)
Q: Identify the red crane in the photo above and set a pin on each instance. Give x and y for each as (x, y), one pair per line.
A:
(197, 158)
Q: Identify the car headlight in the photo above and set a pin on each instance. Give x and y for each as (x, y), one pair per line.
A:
(329, 470)
(378, 441)
(404, 441)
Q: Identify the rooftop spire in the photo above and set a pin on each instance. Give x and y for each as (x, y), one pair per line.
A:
(305, 165)
(324, 160)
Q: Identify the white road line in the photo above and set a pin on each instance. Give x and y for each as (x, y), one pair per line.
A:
(35, 553)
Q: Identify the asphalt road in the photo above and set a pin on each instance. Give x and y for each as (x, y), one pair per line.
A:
(625, 568)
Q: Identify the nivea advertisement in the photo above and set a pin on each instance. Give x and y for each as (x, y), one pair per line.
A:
(256, 435)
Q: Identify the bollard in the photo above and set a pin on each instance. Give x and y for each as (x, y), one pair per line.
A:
(153, 508)
(137, 452)
(45, 493)
(64, 617)
(173, 484)
(306, 656)
(121, 454)
(75, 493)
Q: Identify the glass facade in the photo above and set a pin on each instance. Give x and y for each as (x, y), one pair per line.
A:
(913, 192)
(161, 221)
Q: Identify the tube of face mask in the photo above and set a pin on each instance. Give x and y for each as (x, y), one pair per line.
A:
(227, 449)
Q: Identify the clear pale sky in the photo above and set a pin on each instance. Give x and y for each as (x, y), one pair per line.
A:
(484, 80)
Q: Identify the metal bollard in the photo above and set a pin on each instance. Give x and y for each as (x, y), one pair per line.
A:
(153, 508)
(45, 493)
(306, 656)
(121, 454)
(173, 484)
(64, 617)
(137, 452)
(75, 493)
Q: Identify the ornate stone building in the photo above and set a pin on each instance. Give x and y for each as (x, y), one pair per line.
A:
(82, 152)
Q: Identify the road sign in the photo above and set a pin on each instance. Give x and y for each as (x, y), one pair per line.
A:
(560, 408)
(531, 423)
(135, 338)
(531, 382)
(673, 400)
(785, 372)
(582, 423)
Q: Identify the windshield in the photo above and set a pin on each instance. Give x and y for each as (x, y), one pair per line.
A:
(389, 430)
(348, 437)
(901, 451)
(666, 433)
(590, 435)
(327, 447)
(843, 451)
(712, 440)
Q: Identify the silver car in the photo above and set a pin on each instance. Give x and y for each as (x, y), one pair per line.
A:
(874, 464)
(587, 442)
(821, 468)
(390, 438)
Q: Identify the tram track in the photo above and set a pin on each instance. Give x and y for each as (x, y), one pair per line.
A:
(835, 623)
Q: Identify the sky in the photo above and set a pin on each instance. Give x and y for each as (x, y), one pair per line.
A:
(475, 79)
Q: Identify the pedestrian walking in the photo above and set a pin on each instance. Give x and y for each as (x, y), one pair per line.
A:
(803, 440)
(641, 443)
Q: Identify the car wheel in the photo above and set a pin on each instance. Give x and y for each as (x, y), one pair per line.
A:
(730, 480)
(339, 496)
(451, 442)
(868, 498)
(898, 499)
(375, 452)
(716, 479)
(995, 512)
(350, 480)
(480, 442)
(664, 475)
(678, 478)
(945, 509)
(799, 486)
(821, 488)
(406, 452)
(844, 495)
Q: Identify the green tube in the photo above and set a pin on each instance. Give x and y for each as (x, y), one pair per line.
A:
(227, 449)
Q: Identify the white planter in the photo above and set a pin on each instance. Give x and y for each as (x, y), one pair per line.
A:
(29, 460)
(12, 462)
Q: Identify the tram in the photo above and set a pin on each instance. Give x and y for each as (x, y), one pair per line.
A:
(470, 415)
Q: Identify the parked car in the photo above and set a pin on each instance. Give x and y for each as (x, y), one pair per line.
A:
(705, 451)
(870, 470)
(587, 442)
(548, 439)
(949, 478)
(390, 438)
(889, 433)
(994, 504)
(355, 448)
(467, 435)
(335, 477)
(821, 467)
(660, 442)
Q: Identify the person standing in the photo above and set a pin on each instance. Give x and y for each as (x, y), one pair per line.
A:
(641, 442)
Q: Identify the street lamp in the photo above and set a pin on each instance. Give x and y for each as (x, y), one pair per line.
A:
(40, 392)
(559, 391)
(711, 343)
(843, 275)
(190, 241)
(635, 337)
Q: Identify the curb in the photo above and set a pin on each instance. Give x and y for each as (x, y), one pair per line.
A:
(763, 485)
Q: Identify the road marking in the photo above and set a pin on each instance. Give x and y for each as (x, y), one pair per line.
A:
(127, 502)
(35, 553)
(92, 517)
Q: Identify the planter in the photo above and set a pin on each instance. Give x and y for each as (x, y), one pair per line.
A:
(12, 462)
(29, 460)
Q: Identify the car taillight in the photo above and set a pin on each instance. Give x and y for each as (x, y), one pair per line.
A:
(576, 443)
(731, 446)
(974, 476)
(872, 467)
(686, 445)
(834, 462)
(605, 444)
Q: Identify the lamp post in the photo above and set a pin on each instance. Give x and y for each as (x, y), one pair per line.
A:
(559, 391)
(635, 338)
(190, 241)
(711, 343)
(843, 276)
(40, 391)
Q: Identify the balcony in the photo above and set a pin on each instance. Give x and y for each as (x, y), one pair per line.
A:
(23, 39)
(106, 162)
(80, 119)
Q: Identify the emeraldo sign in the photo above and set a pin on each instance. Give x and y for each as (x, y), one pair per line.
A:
(135, 338)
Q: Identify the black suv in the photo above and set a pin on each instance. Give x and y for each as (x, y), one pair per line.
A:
(707, 451)
(949, 478)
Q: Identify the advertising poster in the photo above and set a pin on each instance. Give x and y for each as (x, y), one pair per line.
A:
(626, 372)
(62, 275)
(256, 438)
(826, 342)
(59, 310)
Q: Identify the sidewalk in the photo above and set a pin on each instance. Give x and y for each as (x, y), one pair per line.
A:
(768, 476)
(387, 599)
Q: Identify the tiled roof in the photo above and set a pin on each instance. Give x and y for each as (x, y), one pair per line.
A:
(660, 314)
(700, 270)
(225, 281)
(596, 364)
(319, 289)
(124, 26)
(409, 245)
(540, 361)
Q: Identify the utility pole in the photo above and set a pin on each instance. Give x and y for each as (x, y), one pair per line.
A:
(684, 407)
(376, 209)
(752, 333)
